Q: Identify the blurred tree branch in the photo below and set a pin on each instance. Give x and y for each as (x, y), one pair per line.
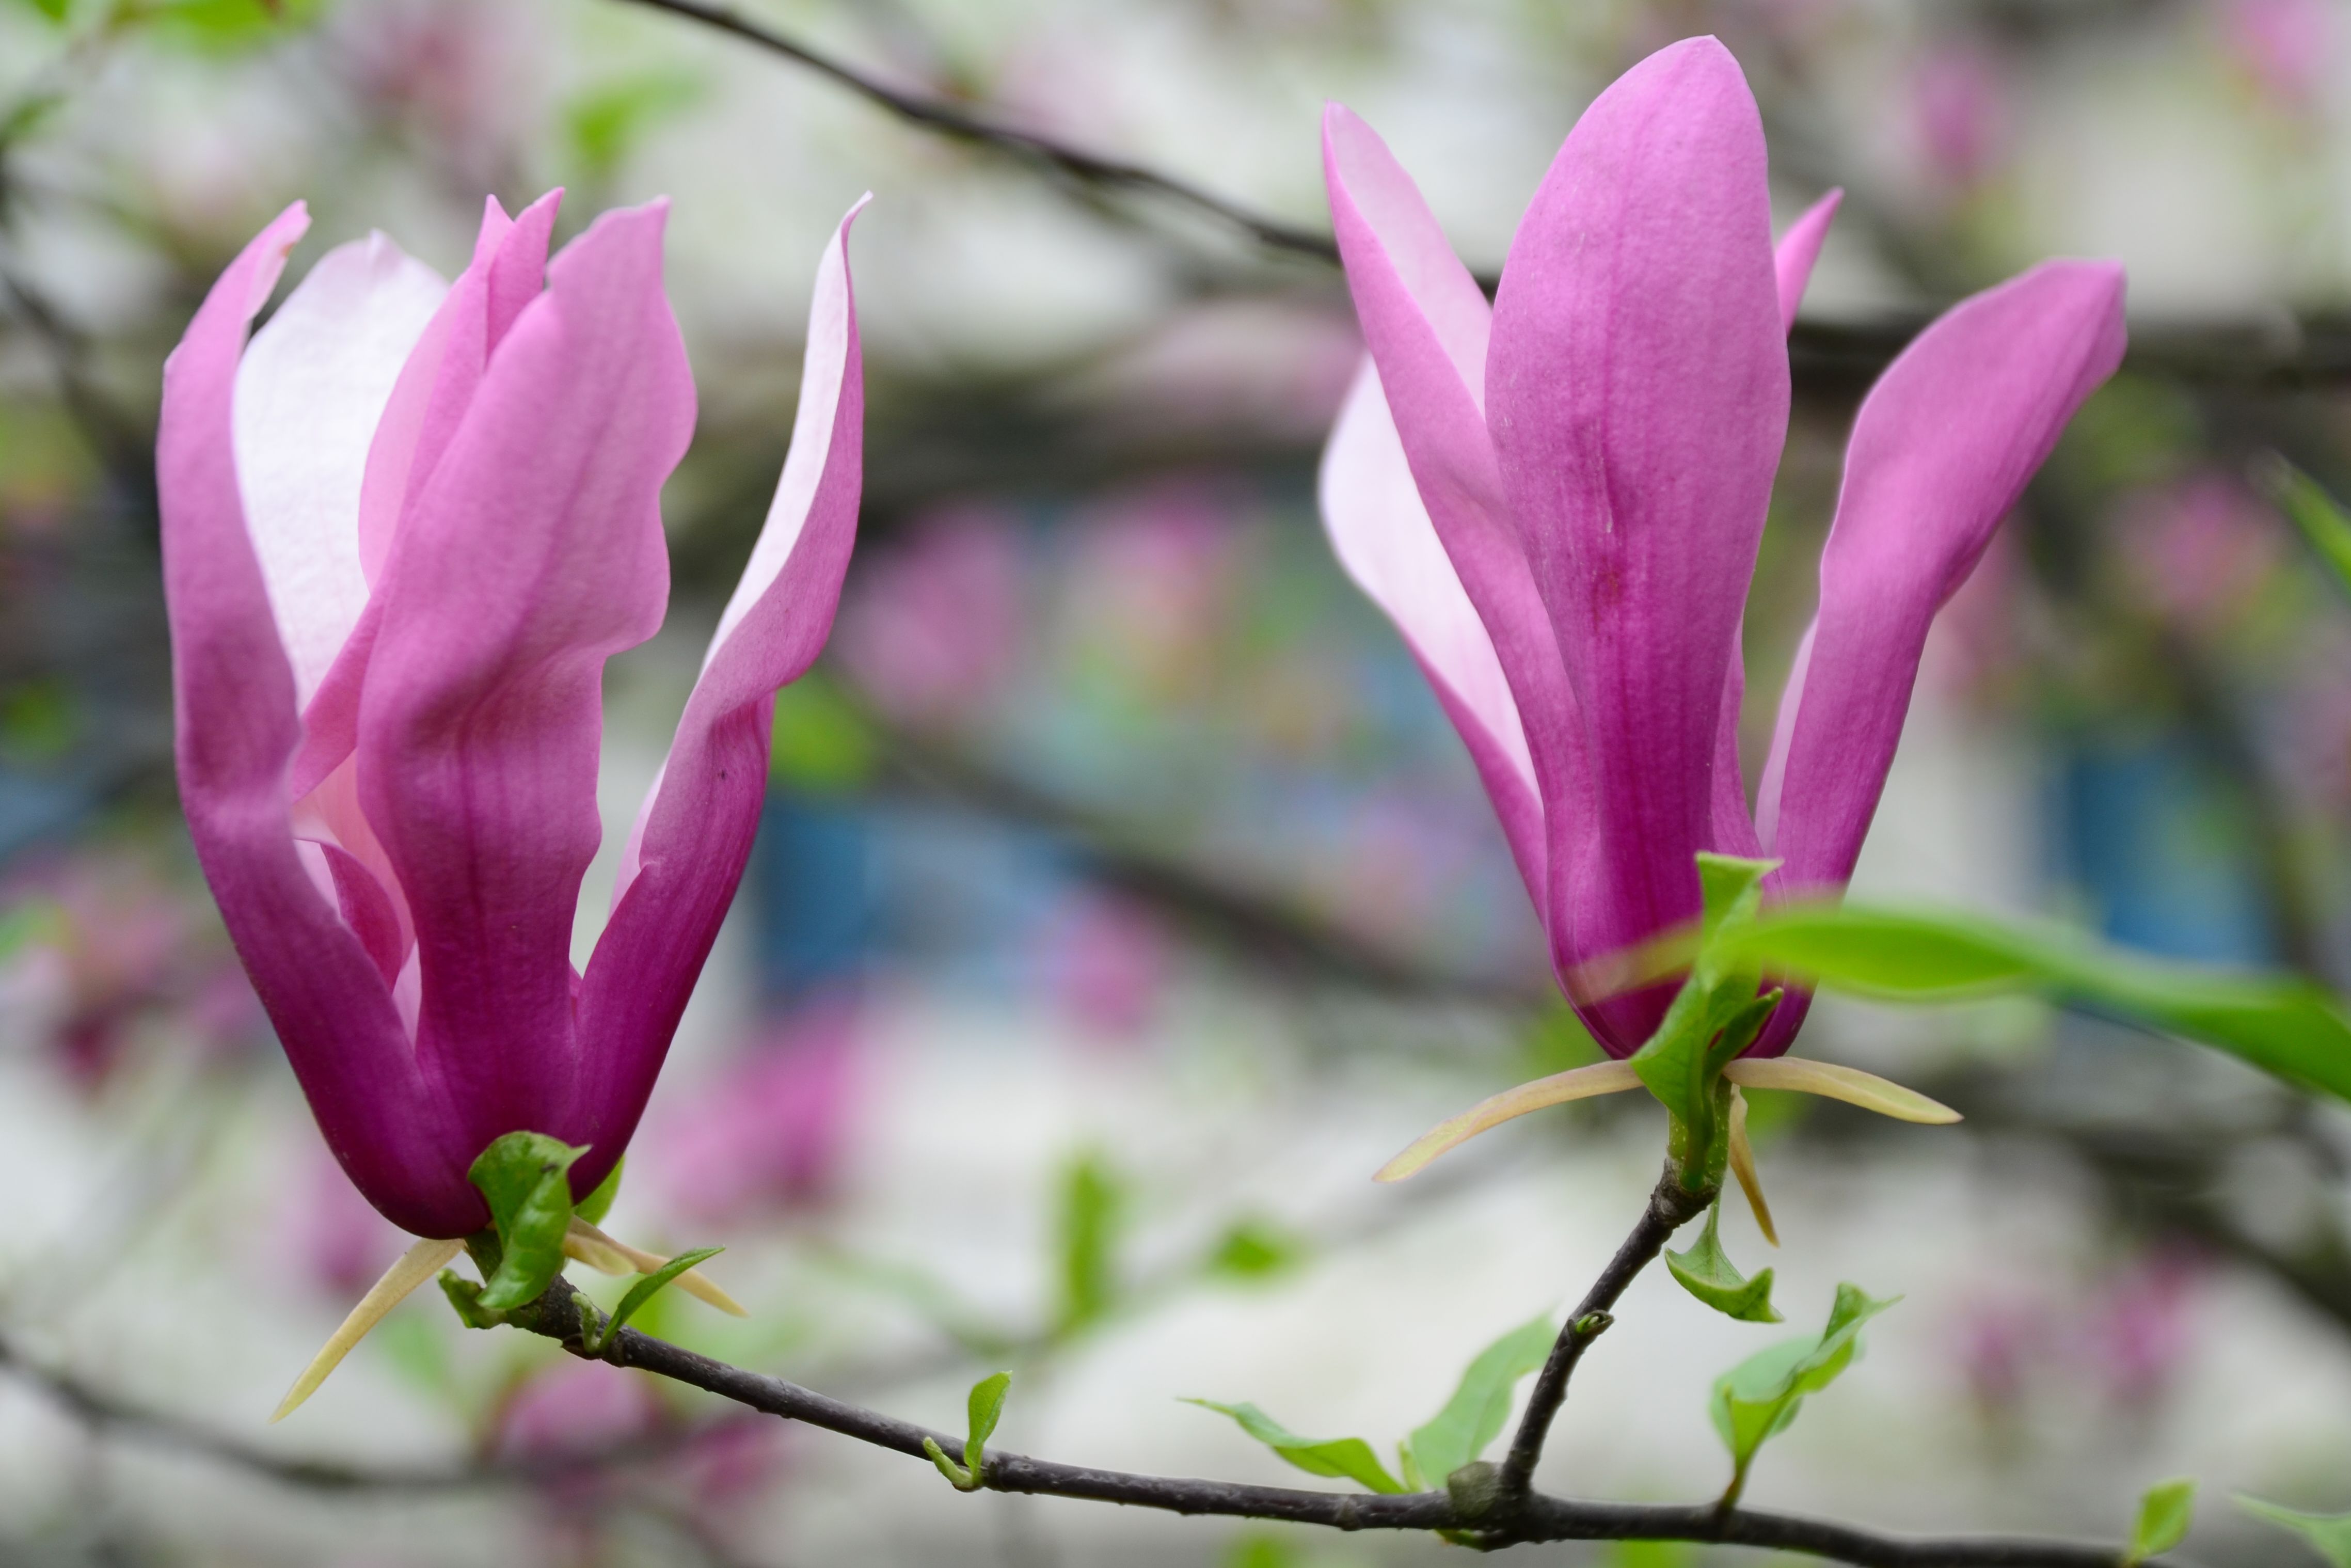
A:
(2279, 354)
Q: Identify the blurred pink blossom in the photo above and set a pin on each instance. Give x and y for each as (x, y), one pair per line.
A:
(1105, 962)
(932, 628)
(773, 1129)
(2140, 1327)
(2199, 550)
(1152, 584)
(2285, 48)
(1960, 115)
(572, 1409)
(2000, 1342)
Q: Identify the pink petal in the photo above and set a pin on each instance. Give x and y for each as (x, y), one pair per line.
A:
(532, 553)
(695, 834)
(1941, 449)
(234, 689)
(697, 826)
(309, 392)
(1426, 326)
(1637, 392)
(436, 387)
(1383, 538)
(1792, 258)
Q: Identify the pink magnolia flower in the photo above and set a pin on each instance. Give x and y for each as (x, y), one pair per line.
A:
(1558, 499)
(403, 530)
(774, 1129)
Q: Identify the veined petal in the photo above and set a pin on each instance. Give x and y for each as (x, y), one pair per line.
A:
(1576, 1083)
(1941, 449)
(1381, 536)
(429, 400)
(533, 553)
(695, 832)
(233, 690)
(1426, 326)
(1637, 392)
(309, 393)
(1793, 257)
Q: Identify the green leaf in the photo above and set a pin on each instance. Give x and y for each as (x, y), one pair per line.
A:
(821, 743)
(644, 1290)
(981, 1409)
(1088, 1218)
(523, 1176)
(597, 1203)
(606, 123)
(1706, 1271)
(465, 1300)
(2285, 1025)
(2329, 1533)
(1255, 1549)
(1759, 1398)
(1714, 1016)
(2311, 510)
(1473, 1418)
(55, 10)
(2163, 1514)
(1252, 1250)
(1348, 1458)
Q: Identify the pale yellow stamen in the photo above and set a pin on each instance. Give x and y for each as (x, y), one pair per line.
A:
(1579, 1083)
(415, 1266)
(593, 1248)
(1849, 1084)
(1742, 1165)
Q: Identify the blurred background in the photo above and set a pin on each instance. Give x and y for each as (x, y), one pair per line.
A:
(1123, 898)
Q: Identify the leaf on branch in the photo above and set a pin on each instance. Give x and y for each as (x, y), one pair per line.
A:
(1707, 1273)
(1252, 1250)
(1759, 1398)
(2165, 1513)
(1350, 1458)
(981, 1408)
(2313, 511)
(1480, 1404)
(2288, 1027)
(1091, 1215)
(523, 1177)
(644, 1291)
(2328, 1533)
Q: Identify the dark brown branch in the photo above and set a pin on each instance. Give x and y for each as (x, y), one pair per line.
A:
(1535, 1517)
(1671, 1205)
(1836, 358)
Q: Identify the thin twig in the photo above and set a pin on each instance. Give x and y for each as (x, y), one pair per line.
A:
(962, 125)
(555, 1315)
(1671, 1205)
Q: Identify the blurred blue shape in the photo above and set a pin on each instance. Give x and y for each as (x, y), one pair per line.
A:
(2162, 853)
(812, 891)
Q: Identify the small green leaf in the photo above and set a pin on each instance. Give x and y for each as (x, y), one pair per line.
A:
(608, 121)
(2311, 510)
(1350, 1457)
(644, 1290)
(523, 1176)
(1707, 1273)
(1253, 1250)
(1714, 1016)
(821, 743)
(597, 1203)
(466, 1300)
(1759, 1398)
(2328, 1533)
(1089, 1215)
(1473, 1418)
(981, 1409)
(2165, 1513)
(55, 10)
(1255, 1549)
(2285, 1025)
